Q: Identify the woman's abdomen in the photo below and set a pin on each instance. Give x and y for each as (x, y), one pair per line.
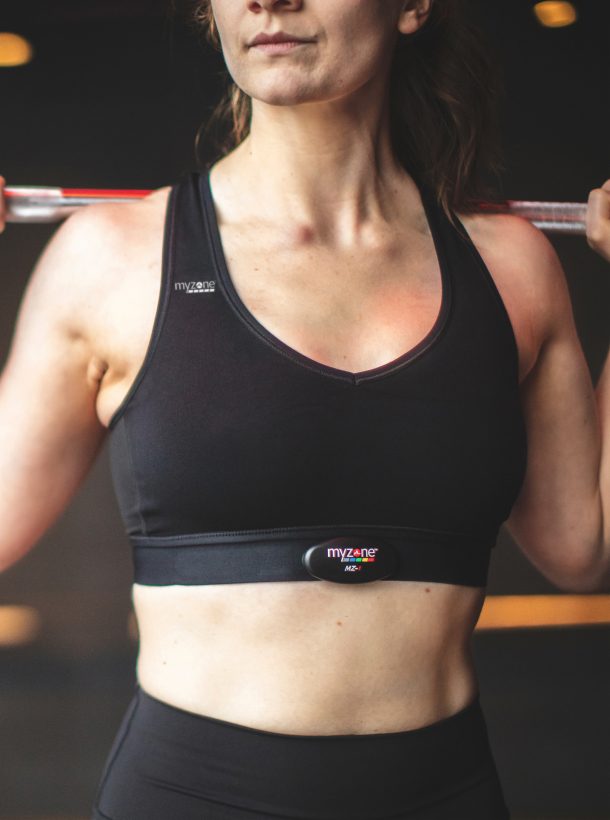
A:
(310, 657)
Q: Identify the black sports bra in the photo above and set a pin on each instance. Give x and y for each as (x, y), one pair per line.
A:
(233, 455)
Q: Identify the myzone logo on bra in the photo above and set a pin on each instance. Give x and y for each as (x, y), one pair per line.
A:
(352, 556)
(202, 286)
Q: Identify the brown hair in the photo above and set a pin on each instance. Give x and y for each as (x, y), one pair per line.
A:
(444, 89)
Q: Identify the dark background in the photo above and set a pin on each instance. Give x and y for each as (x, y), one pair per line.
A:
(114, 98)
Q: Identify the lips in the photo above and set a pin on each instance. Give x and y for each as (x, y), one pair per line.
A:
(278, 37)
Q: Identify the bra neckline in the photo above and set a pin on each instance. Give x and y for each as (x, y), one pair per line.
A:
(301, 359)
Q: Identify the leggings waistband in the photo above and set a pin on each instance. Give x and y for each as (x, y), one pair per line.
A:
(167, 762)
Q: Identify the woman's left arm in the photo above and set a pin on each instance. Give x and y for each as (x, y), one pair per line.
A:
(561, 518)
(598, 237)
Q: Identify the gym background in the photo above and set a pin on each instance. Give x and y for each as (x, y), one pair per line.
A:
(113, 97)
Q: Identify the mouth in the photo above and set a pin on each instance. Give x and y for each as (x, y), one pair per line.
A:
(264, 38)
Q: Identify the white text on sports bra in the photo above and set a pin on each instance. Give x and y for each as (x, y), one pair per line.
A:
(196, 287)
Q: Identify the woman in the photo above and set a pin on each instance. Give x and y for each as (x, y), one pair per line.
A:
(315, 341)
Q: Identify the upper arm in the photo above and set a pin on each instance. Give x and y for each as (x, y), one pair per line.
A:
(49, 430)
(557, 517)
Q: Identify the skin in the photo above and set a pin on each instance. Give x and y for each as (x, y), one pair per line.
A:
(598, 220)
(317, 180)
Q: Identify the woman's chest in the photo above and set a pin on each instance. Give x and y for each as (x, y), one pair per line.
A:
(351, 309)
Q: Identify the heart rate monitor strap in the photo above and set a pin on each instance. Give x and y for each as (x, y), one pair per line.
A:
(340, 554)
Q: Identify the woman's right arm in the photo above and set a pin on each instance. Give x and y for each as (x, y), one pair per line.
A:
(598, 220)
(50, 433)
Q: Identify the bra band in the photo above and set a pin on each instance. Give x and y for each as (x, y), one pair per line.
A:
(334, 554)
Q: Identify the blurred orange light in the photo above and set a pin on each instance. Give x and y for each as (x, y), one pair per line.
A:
(18, 625)
(555, 14)
(14, 50)
(513, 611)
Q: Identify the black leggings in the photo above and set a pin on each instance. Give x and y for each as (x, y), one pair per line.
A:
(170, 764)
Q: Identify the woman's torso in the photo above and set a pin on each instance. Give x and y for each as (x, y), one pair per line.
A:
(304, 657)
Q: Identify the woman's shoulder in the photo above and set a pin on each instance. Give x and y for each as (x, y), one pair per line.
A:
(116, 222)
(504, 231)
(526, 270)
(95, 237)
(99, 246)
(520, 251)
(101, 268)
